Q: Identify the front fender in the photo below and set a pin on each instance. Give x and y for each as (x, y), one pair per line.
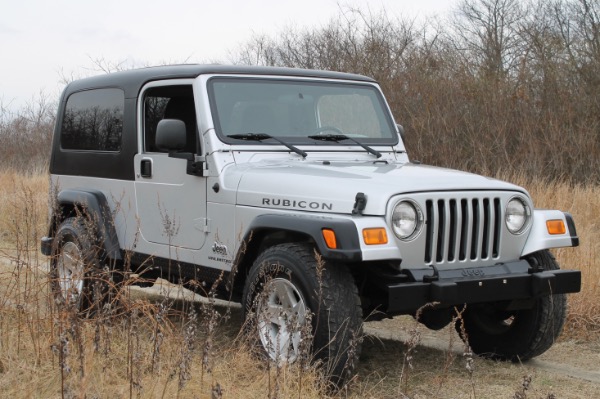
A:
(539, 237)
(348, 249)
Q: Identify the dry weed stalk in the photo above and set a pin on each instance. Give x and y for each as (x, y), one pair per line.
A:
(467, 351)
(412, 343)
(450, 355)
(134, 355)
(187, 347)
(158, 335)
(210, 319)
(521, 393)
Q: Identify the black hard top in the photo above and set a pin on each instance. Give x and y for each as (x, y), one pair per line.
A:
(131, 81)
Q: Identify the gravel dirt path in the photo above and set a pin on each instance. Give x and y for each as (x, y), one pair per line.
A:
(570, 359)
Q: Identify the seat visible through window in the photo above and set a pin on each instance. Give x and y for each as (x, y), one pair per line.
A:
(170, 102)
(182, 108)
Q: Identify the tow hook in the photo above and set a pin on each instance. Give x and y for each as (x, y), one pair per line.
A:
(434, 277)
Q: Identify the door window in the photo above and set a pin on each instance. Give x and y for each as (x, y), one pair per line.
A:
(170, 102)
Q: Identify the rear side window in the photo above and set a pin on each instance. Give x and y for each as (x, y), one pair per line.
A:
(93, 121)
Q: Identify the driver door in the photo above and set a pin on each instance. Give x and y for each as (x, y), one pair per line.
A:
(170, 204)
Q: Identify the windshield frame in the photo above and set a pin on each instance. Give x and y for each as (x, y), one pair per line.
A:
(385, 116)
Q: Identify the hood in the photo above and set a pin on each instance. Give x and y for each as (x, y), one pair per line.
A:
(322, 186)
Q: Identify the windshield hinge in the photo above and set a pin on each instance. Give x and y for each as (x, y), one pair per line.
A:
(202, 224)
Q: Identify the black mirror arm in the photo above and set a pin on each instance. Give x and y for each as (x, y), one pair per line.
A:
(195, 165)
(188, 156)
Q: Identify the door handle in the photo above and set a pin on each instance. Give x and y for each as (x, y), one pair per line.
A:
(146, 168)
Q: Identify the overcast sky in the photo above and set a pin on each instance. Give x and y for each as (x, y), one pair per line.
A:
(43, 40)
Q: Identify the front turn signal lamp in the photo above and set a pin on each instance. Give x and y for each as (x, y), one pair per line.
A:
(375, 236)
(556, 227)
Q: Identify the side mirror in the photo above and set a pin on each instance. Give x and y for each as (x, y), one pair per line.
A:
(170, 135)
(401, 132)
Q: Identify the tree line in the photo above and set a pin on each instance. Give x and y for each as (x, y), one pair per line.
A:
(506, 86)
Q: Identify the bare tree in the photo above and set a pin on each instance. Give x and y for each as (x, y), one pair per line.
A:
(487, 31)
(25, 135)
(356, 42)
(579, 25)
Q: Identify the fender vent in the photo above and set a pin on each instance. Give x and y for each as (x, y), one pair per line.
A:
(462, 229)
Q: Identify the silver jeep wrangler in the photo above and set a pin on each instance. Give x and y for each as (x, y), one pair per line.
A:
(291, 192)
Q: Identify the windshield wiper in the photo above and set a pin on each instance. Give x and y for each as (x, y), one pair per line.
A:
(340, 137)
(264, 136)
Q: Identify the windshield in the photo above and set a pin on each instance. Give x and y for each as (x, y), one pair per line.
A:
(295, 110)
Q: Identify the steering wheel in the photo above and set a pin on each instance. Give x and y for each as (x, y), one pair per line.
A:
(322, 129)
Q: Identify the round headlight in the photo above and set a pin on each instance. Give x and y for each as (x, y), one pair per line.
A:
(517, 215)
(406, 220)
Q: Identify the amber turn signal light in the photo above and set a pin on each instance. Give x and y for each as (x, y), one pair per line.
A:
(375, 236)
(330, 240)
(556, 227)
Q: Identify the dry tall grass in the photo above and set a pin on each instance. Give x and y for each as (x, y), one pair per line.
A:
(582, 201)
(159, 349)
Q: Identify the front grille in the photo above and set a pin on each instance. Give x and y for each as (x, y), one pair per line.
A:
(463, 229)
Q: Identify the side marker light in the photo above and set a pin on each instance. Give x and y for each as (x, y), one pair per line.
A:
(329, 237)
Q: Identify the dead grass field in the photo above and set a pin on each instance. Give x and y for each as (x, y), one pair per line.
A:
(155, 348)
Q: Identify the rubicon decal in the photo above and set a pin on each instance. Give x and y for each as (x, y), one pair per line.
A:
(287, 203)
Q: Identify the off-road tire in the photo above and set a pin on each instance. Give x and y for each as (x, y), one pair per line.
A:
(328, 291)
(530, 333)
(91, 286)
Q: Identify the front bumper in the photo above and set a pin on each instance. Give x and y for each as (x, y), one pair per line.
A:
(515, 283)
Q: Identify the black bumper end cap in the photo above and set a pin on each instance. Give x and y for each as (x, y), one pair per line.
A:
(46, 245)
(555, 281)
